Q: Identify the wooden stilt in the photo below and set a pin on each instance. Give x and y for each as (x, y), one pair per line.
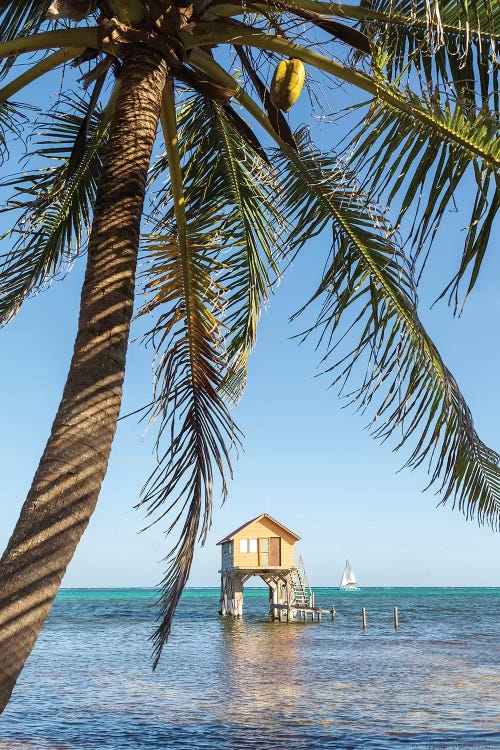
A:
(287, 599)
(396, 618)
(363, 612)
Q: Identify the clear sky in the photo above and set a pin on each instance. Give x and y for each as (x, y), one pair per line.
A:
(306, 461)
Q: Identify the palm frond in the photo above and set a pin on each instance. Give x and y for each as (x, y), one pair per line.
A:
(20, 18)
(53, 205)
(219, 161)
(368, 286)
(13, 118)
(187, 337)
(255, 225)
(431, 147)
(456, 42)
(186, 296)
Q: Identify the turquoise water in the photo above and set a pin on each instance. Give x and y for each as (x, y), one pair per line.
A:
(257, 685)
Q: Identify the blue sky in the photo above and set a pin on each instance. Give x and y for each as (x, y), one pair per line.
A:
(306, 461)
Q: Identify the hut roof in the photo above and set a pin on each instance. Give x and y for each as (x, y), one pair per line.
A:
(258, 518)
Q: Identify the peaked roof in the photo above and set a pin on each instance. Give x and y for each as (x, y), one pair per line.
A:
(258, 518)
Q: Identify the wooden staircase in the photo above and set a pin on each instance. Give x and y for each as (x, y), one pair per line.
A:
(304, 595)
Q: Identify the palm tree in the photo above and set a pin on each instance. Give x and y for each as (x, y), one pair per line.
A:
(230, 209)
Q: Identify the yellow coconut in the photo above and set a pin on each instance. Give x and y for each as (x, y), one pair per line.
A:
(287, 83)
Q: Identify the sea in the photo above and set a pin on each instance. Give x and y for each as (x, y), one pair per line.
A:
(254, 684)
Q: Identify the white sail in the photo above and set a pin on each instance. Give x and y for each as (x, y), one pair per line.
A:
(351, 578)
(348, 578)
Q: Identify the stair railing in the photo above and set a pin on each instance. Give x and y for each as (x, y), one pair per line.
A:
(304, 587)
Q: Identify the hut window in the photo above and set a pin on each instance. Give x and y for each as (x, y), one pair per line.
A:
(252, 545)
(243, 545)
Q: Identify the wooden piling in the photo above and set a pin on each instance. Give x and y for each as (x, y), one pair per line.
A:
(363, 612)
(396, 618)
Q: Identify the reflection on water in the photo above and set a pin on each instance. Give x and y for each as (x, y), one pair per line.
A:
(257, 684)
(261, 662)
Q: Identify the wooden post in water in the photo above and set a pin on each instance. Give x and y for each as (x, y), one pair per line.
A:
(396, 618)
(333, 612)
(363, 612)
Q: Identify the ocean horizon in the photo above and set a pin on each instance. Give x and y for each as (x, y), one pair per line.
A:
(254, 684)
(322, 590)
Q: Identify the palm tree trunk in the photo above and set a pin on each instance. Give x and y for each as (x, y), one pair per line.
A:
(68, 479)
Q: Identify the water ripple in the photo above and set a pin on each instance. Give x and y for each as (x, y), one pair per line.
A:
(258, 685)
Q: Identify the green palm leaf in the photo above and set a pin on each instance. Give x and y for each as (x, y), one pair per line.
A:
(369, 287)
(187, 336)
(218, 161)
(187, 299)
(53, 207)
(255, 224)
(432, 146)
(455, 41)
(20, 18)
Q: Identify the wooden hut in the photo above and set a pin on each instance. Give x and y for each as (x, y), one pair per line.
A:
(264, 547)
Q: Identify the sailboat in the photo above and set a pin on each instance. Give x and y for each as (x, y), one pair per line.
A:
(348, 582)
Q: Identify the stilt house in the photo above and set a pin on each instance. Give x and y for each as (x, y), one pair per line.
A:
(264, 547)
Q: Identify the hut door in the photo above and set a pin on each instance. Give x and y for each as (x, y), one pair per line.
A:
(275, 551)
(263, 551)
